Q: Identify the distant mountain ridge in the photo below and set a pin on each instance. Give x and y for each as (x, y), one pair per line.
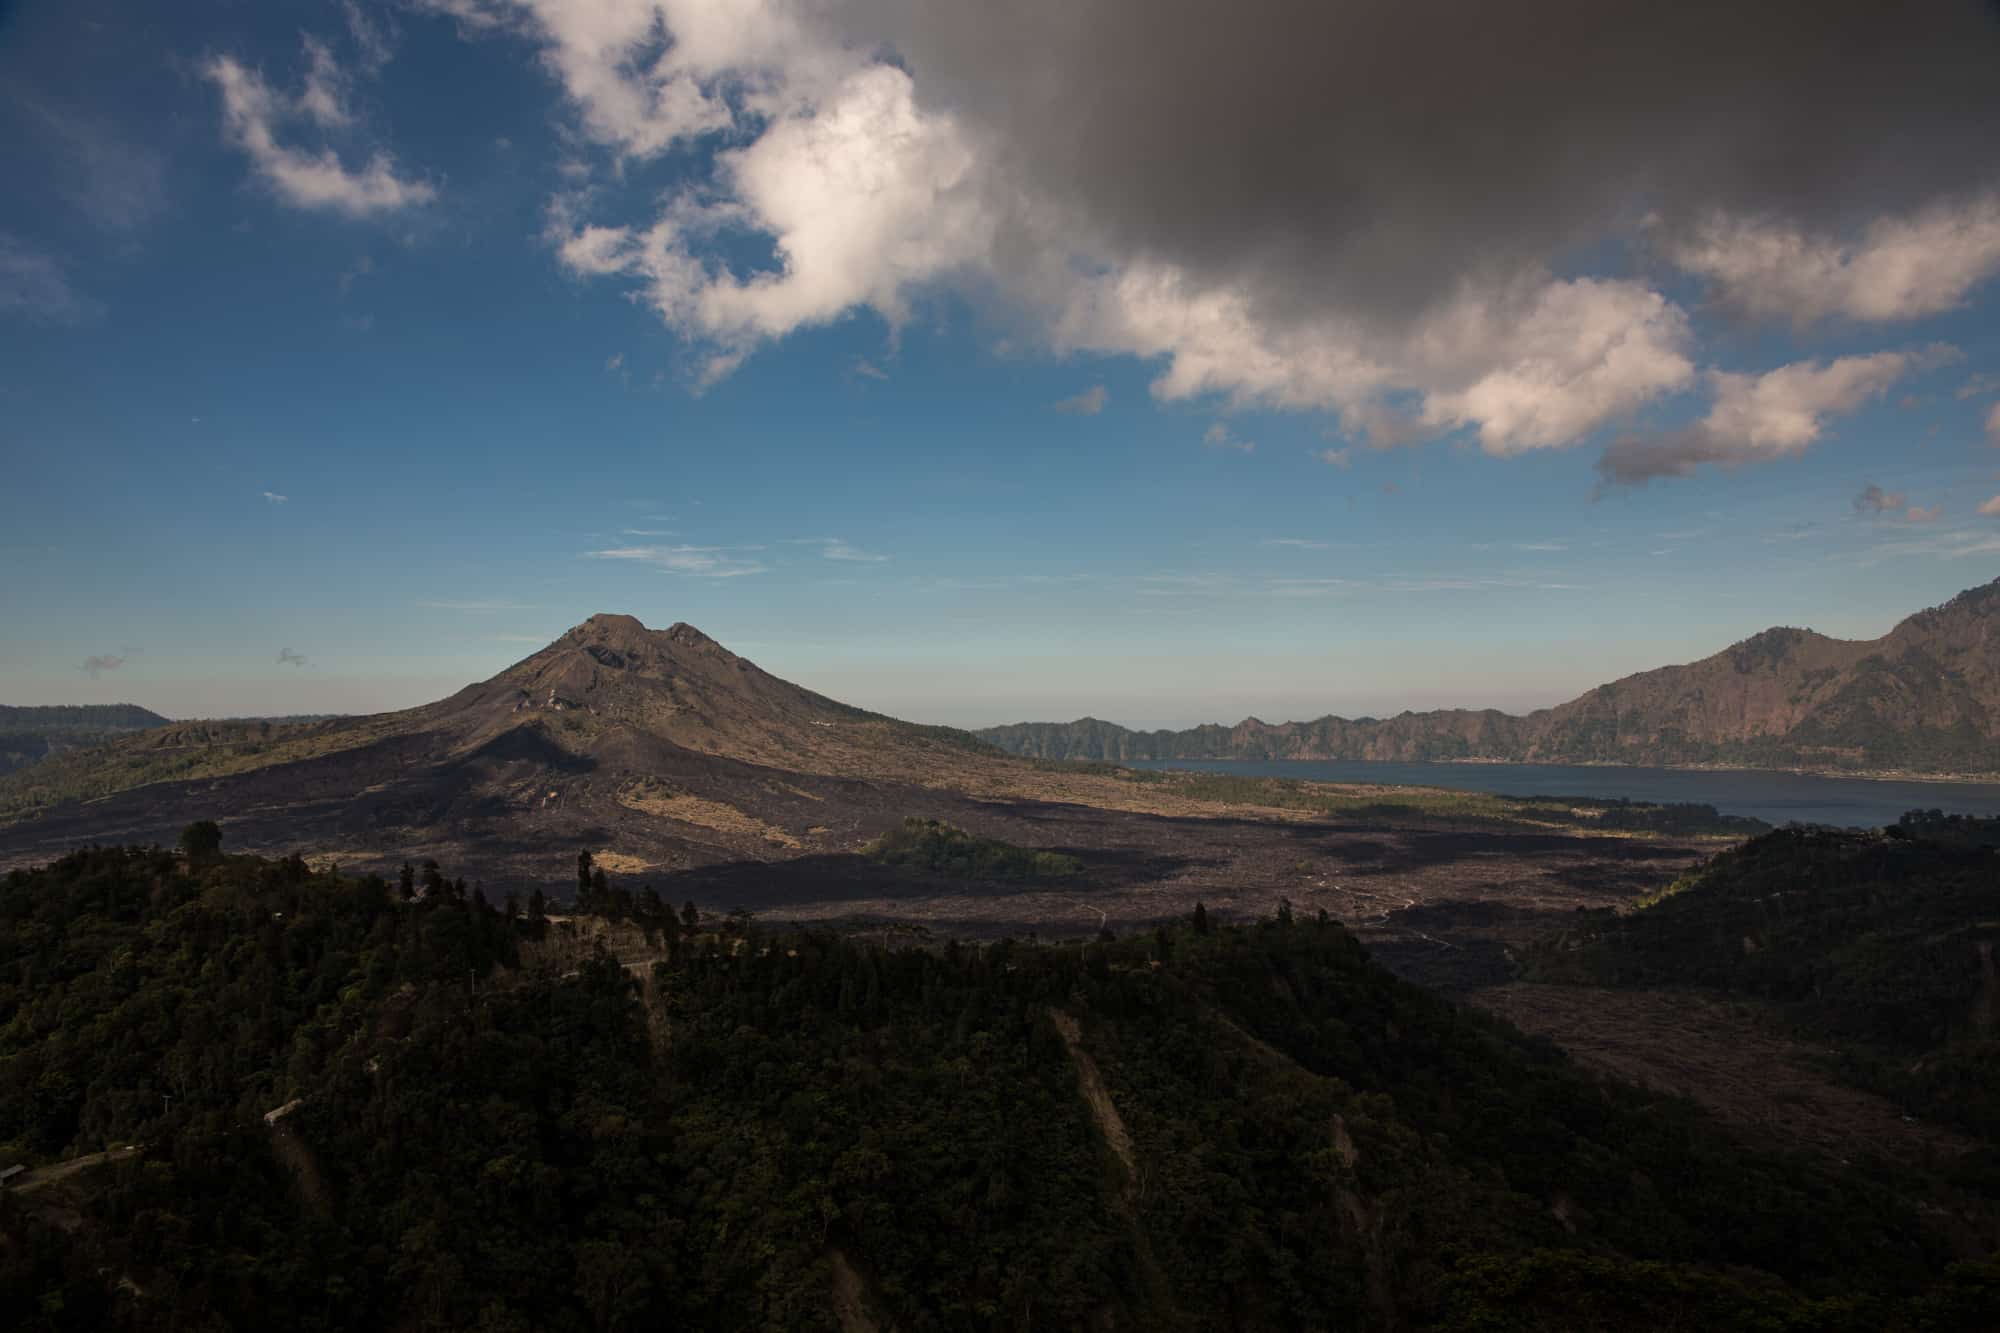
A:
(30, 735)
(1923, 698)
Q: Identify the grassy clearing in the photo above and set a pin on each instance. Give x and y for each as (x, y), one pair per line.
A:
(940, 848)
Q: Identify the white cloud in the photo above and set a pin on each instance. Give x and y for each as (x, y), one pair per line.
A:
(1993, 426)
(1301, 543)
(1897, 269)
(1558, 366)
(1991, 508)
(1978, 386)
(1755, 418)
(616, 361)
(1335, 458)
(709, 562)
(1086, 404)
(1219, 436)
(33, 284)
(272, 497)
(868, 369)
(1784, 410)
(252, 114)
(1931, 515)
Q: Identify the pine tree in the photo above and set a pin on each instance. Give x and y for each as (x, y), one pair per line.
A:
(690, 915)
(538, 907)
(1200, 919)
(406, 883)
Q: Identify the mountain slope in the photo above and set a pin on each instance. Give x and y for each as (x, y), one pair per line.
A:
(1923, 698)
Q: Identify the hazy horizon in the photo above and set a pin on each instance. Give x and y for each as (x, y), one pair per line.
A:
(353, 349)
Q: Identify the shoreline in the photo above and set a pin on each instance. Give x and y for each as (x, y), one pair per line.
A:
(1869, 775)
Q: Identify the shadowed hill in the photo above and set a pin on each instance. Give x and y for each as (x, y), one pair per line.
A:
(1924, 698)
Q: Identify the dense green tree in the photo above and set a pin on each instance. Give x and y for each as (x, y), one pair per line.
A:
(201, 841)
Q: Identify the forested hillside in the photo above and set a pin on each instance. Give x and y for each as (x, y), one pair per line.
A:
(360, 1103)
(1882, 943)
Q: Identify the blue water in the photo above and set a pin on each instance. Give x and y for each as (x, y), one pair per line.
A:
(1778, 798)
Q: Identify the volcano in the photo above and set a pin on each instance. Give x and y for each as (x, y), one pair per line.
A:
(657, 749)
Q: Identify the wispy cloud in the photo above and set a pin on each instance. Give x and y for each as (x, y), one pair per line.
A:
(868, 369)
(1955, 544)
(837, 548)
(115, 182)
(34, 284)
(96, 666)
(286, 657)
(615, 362)
(272, 497)
(1302, 543)
(1340, 458)
(1931, 515)
(1086, 404)
(1219, 436)
(1978, 386)
(353, 273)
(475, 606)
(707, 562)
(374, 40)
(253, 114)
(1991, 508)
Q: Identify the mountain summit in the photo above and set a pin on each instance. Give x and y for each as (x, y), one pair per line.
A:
(611, 673)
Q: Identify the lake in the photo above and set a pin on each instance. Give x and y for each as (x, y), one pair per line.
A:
(1778, 798)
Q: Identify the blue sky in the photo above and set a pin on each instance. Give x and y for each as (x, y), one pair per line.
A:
(351, 352)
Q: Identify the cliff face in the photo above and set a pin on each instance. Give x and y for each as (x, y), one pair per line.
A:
(1923, 698)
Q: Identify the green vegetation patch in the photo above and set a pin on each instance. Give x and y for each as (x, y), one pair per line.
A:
(943, 849)
(1445, 805)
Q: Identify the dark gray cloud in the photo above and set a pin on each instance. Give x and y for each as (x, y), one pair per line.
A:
(1874, 500)
(1370, 155)
(286, 657)
(95, 666)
